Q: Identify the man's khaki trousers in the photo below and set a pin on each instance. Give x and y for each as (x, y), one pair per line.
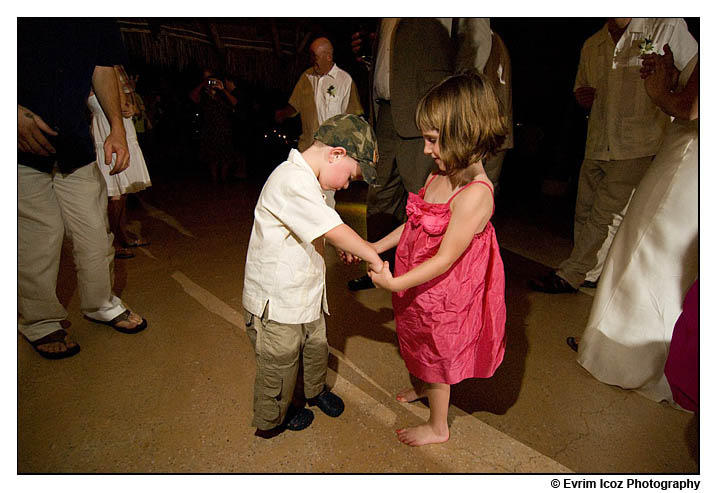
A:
(50, 205)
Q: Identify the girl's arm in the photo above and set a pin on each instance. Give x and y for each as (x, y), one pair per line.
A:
(470, 212)
(389, 241)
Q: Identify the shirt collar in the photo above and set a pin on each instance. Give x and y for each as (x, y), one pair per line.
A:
(295, 157)
(636, 25)
(332, 73)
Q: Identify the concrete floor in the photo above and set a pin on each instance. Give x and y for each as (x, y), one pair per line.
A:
(177, 398)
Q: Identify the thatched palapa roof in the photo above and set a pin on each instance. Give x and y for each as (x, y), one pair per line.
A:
(258, 50)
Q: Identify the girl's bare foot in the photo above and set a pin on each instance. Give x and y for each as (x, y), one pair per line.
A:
(410, 395)
(422, 435)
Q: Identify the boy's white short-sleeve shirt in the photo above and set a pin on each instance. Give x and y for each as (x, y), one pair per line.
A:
(284, 271)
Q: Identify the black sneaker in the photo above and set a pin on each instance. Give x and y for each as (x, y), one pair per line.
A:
(363, 282)
(298, 419)
(590, 284)
(330, 404)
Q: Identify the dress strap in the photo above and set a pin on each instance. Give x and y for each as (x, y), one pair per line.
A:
(471, 183)
(433, 176)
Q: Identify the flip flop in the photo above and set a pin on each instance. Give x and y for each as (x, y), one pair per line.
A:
(122, 317)
(57, 336)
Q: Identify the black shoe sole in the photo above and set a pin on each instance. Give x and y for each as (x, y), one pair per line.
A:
(267, 434)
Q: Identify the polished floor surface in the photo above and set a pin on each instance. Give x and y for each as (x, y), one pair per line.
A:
(177, 398)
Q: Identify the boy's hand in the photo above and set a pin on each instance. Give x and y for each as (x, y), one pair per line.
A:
(382, 278)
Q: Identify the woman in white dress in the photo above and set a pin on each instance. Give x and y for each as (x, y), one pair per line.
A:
(134, 178)
(654, 257)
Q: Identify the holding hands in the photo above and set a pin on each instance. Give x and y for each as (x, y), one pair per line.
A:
(375, 269)
(382, 278)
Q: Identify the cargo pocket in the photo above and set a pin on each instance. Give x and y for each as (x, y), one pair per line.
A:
(271, 394)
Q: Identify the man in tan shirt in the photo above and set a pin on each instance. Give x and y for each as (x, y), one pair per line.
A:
(625, 130)
(324, 90)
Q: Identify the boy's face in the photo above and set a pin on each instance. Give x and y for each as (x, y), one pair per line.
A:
(431, 146)
(339, 172)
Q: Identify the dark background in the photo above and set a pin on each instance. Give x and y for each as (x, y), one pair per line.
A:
(549, 127)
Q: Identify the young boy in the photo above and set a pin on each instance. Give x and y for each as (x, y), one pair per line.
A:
(284, 288)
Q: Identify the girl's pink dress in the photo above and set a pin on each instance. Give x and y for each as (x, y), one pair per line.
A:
(451, 327)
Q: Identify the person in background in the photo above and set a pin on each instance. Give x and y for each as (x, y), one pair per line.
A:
(323, 90)
(141, 119)
(625, 130)
(481, 48)
(60, 189)
(653, 261)
(216, 103)
(134, 179)
(411, 55)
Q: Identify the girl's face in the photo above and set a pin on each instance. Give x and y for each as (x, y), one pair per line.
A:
(431, 146)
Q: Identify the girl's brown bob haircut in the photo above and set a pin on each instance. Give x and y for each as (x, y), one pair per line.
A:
(466, 113)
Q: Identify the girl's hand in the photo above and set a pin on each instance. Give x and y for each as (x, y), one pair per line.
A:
(382, 279)
(347, 258)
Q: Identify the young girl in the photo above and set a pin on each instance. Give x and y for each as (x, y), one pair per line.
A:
(448, 283)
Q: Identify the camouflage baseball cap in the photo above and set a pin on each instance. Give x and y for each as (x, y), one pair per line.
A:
(354, 134)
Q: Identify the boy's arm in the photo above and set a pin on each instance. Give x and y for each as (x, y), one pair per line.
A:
(345, 238)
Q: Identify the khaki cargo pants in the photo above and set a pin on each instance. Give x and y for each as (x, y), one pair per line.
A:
(277, 348)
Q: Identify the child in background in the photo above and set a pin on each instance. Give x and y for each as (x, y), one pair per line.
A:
(284, 282)
(448, 284)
